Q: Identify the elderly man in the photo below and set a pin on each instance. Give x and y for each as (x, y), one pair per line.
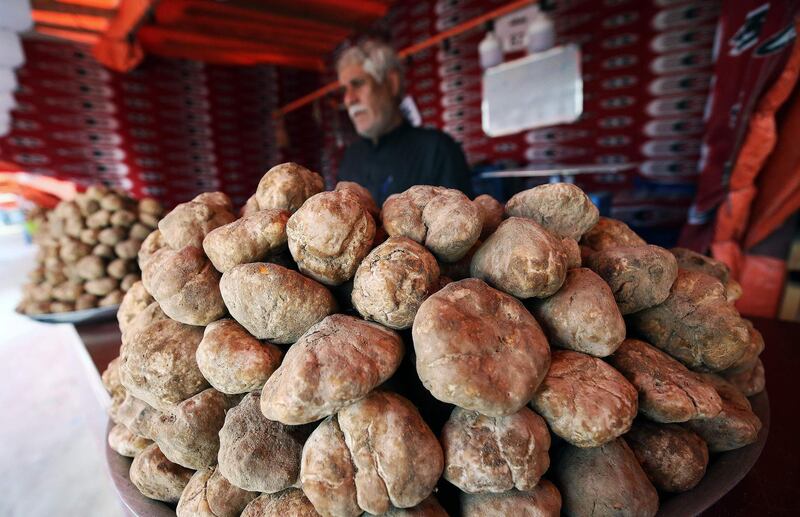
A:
(391, 155)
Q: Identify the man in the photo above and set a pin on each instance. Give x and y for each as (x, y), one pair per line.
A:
(391, 155)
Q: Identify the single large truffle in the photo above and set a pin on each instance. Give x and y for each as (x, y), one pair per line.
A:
(336, 363)
(158, 478)
(330, 235)
(479, 348)
(287, 186)
(209, 494)
(188, 223)
(562, 208)
(584, 400)
(250, 239)
(543, 500)
(444, 220)
(393, 281)
(522, 259)
(273, 302)
(372, 455)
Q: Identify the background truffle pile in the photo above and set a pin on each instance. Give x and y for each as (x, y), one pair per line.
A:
(87, 251)
(318, 356)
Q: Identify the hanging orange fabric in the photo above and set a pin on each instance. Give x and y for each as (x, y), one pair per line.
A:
(764, 191)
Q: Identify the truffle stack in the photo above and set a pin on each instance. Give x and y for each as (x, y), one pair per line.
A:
(87, 251)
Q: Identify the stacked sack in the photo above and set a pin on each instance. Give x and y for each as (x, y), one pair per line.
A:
(262, 363)
(87, 251)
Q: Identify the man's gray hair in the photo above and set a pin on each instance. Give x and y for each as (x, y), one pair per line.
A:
(377, 58)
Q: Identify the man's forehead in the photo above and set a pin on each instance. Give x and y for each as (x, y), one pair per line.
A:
(352, 72)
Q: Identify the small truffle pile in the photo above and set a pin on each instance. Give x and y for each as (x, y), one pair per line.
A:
(87, 251)
(318, 357)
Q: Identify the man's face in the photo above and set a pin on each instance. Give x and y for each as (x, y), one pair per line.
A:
(370, 104)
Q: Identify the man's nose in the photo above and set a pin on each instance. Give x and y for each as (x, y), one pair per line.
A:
(350, 97)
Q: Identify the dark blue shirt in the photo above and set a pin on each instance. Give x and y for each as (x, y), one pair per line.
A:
(404, 157)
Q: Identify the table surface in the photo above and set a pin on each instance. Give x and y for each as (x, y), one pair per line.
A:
(771, 486)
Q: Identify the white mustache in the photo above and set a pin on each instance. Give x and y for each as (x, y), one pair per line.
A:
(355, 109)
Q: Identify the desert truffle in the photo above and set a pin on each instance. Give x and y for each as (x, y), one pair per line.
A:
(522, 259)
(188, 223)
(695, 324)
(479, 348)
(584, 400)
(249, 239)
(495, 454)
(185, 284)
(582, 315)
(544, 500)
(674, 458)
(125, 443)
(337, 362)
(372, 455)
(640, 277)
(157, 363)
(733, 427)
(291, 502)
(444, 220)
(605, 480)
(273, 302)
(188, 433)
(668, 391)
(491, 213)
(330, 235)
(258, 454)
(363, 195)
(234, 361)
(562, 208)
(209, 494)
(749, 382)
(287, 186)
(393, 281)
(158, 478)
(610, 233)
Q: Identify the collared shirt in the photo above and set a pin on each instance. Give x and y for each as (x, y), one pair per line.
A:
(404, 157)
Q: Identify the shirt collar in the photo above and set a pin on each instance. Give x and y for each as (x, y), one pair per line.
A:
(391, 135)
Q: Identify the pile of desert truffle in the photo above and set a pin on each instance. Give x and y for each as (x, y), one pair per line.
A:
(87, 251)
(575, 367)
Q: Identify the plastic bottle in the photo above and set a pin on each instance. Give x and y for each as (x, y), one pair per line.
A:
(490, 51)
(541, 33)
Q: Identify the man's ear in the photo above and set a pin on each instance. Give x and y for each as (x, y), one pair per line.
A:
(393, 81)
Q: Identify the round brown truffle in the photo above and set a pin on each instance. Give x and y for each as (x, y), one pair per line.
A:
(674, 458)
(491, 213)
(695, 324)
(495, 454)
(610, 233)
(543, 500)
(258, 454)
(733, 427)
(188, 223)
(287, 186)
(249, 239)
(125, 443)
(640, 277)
(158, 478)
(605, 480)
(157, 363)
(273, 302)
(185, 284)
(330, 235)
(291, 502)
(337, 362)
(234, 361)
(561, 208)
(188, 434)
(208, 494)
(668, 391)
(363, 196)
(393, 281)
(522, 259)
(479, 348)
(135, 301)
(372, 455)
(584, 400)
(582, 315)
(442, 219)
(749, 382)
